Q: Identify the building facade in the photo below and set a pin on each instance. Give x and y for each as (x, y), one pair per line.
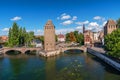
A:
(61, 38)
(49, 36)
(3, 39)
(88, 36)
(101, 37)
(37, 43)
(109, 27)
(96, 36)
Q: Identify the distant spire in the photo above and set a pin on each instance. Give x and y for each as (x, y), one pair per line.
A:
(83, 28)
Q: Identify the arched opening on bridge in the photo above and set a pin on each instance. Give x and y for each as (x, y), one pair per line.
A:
(29, 52)
(13, 52)
(73, 51)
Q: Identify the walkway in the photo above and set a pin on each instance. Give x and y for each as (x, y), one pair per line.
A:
(101, 50)
(109, 61)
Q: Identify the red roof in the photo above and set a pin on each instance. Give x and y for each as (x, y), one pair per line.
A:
(61, 36)
(4, 37)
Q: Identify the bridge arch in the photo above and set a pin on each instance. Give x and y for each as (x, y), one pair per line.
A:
(14, 52)
(74, 49)
(22, 50)
(83, 49)
(31, 52)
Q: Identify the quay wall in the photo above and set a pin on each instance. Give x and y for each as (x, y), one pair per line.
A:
(109, 61)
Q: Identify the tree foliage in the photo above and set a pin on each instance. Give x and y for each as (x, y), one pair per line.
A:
(118, 22)
(18, 36)
(41, 38)
(72, 37)
(112, 43)
(75, 37)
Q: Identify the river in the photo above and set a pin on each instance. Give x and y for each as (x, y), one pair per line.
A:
(72, 65)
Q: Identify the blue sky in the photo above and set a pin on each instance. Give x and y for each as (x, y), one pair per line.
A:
(67, 15)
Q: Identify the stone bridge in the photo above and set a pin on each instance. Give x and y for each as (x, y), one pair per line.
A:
(22, 50)
(82, 48)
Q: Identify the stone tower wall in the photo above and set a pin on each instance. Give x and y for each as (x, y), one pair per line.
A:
(49, 36)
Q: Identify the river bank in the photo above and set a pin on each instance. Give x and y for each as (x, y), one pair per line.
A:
(99, 53)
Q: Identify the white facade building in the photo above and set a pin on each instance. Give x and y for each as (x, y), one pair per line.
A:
(37, 43)
(61, 38)
(96, 36)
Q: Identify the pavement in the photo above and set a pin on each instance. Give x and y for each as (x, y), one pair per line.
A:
(98, 49)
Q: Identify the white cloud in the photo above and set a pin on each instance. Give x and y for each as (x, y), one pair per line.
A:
(64, 16)
(64, 31)
(96, 29)
(5, 29)
(104, 23)
(74, 18)
(38, 32)
(16, 18)
(93, 24)
(68, 22)
(99, 18)
(86, 22)
(79, 27)
(81, 23)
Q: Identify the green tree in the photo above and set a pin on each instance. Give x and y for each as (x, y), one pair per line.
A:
(25, 37)
(13, 35)
(76, 34)
(31, 36)
(68, 37)
(19, 36)
(81, 39)
(75, 37)
(112, 43)
(10, 38)
(42, 39)
(118, 22)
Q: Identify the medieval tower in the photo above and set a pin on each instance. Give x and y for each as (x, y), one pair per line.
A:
(49, 36)
(109, 27)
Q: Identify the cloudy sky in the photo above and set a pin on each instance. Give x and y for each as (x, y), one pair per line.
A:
(67, 15)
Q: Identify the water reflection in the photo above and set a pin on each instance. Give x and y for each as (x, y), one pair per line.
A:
(13, 52)
(50, 68)
(77, 66)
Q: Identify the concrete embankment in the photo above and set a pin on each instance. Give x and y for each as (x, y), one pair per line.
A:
(49, 53)
(109, 61)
